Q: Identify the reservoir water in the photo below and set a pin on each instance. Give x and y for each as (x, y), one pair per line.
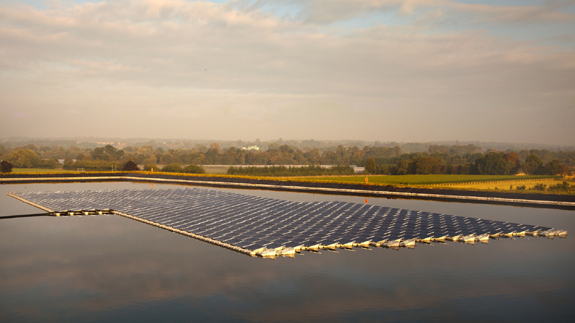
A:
(110, 268)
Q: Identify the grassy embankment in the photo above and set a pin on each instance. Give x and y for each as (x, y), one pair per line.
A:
(498, 183)
(467, 182)
(425, 179)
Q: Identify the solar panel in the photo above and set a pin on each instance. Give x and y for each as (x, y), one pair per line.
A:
(239, 221)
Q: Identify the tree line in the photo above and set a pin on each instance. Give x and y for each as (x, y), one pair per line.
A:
(439, 159)
(491, 163)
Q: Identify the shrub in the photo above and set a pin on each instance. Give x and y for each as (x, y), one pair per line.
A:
(48, 163)
(539, 187)
(560, 187)
(130, 166)
(89, 165)
(194, 169)
(521, 188)
(172, 168)
(5, 167)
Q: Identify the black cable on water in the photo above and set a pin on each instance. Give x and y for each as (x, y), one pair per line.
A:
(23, 216)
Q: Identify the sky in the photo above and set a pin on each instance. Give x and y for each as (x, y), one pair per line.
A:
(386, 70)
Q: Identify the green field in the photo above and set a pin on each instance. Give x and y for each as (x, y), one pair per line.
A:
(422, 179)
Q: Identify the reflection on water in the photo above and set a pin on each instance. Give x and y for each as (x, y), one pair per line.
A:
(98, 268)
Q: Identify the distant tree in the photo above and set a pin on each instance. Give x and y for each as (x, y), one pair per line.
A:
(81, 156)
(68, 163)
(216, 146)
(273, 146)
(425, 165)
(465, 168)
(438, 149)
(48, 163)
(32, 147)
(514, 158)
(401, 168)
(194, 169)
(23, 158)
(172, 168)
(213, 153)
(383, 169)
(465, 149)
(130, 166)
(370, 166)
(553, 167)
(113, 152)
(564, 170)
(99, 154)
(494, 163)
(533, 165)
(5, 167)
(285, 149)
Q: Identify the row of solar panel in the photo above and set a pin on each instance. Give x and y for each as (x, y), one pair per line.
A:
(249, 221)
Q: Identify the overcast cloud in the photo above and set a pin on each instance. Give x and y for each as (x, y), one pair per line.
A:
(388, 70)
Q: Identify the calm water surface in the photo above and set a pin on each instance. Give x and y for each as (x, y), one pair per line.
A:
(109, 268)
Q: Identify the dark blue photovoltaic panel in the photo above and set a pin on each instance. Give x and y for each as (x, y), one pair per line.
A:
(257, 222)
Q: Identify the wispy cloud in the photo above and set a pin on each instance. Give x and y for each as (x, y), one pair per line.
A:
(329, 11)
(516, 14)
(245, 63)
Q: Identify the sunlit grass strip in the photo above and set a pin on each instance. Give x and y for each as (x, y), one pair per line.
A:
(380, 180)
(424, 179)
(399, 182)
(373, 179)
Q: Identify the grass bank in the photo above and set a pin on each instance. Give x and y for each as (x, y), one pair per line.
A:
(425, 179)
(506, 185)
(496, 183)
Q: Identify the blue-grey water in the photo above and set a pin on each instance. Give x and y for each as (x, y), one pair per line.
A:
(110, 268)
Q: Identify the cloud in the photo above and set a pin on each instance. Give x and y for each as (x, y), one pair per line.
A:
(210, 46)
(330, 11)
(252, 69)
(514, 14)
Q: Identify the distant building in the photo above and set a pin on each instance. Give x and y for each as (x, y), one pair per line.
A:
(254, 147)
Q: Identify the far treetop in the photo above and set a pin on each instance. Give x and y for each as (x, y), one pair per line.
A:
(166, 144)
(438, 159)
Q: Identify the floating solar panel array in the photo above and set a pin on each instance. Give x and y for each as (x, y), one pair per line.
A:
(270, 227)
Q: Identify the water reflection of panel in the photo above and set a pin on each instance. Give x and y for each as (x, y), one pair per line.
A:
(270, 227)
